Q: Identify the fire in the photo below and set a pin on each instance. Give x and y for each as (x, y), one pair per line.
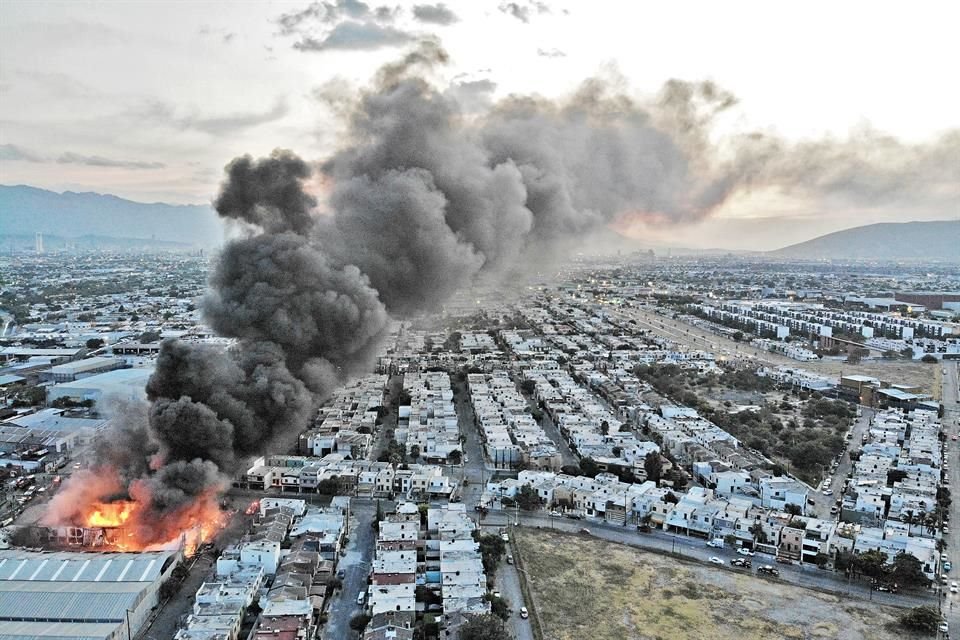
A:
(136, 524)
(111, 514)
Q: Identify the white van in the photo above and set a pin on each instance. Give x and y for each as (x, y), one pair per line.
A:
(361, 598)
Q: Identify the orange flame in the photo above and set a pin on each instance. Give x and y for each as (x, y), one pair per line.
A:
(134, 525)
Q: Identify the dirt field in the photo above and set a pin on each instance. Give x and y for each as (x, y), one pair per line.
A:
(585, 588)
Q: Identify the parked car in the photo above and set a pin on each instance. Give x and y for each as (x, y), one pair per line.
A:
(740, 562)
(783, 560)
(505, 537)
(716, 560)
(509, 559)
(947, 566)
(769, 570)
(585, 531)
(944, 627)
(574, 516)
(556, 514)
(341, 574)
(524, 613)
(716, 543)
(361, 598)
(744, 551)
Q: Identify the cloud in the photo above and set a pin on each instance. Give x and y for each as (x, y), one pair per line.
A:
(434, 14)
(163, 113)
(551, 53)
(328, 13)
(19, 154)
(473, 96)
(16, 153)
(99, 161)
(356, 36)
(523, 10)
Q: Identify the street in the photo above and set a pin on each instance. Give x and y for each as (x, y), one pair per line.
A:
(356, 566)
(951, 602)
(823, 503)
(508, 583)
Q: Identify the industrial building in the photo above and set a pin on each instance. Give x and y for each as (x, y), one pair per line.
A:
(81, 596)
(123, 384)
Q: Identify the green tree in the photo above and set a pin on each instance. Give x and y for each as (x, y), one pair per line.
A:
(528, 499)
(94, 343)
(872, 564)
(455, 457)
(359, 622)
(484, 627)
(414, 452)
(149, 336)
(589, 467)
(492, 548)
(498, 606)
(925, 619)
(907, 571)
(528, 387)
(793, 509)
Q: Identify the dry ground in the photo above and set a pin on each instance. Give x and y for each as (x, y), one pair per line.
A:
(585, 588)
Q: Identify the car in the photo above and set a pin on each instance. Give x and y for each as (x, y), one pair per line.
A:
(361, 598)
(953, 437)
(954, 589)
(574, 516)
(744, 551)
(341, 574)
(509, 559)
(496, 594)
(828, 492)
(768, 569)
(585, 531)
(505, 537)
(783, 560)
(524, 613)
(944, 627)
(833, 510)
(947, 566)
(556, 514)
(715, 560)
(716, 543)
(945, 529)
(955, 585)
(944, 557)
(740, 562)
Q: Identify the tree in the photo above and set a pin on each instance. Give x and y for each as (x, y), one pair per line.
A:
(414, 452)
(94, 343)
(737, 336)
(484, 627)
(872, 563)
(925, 619)
(492, 548)
(907, 571)
(528, 387)
(604, 427)
(589, 467)
(793, 509)
(821, 560)
(759, 535)
(907, 353)
(455, 457)
(653, 465)
(498, 606)
(359, 622)
(929, 359)
(528, 499)
(149, 336)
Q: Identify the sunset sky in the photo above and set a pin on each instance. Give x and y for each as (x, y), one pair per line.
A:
(149, 100)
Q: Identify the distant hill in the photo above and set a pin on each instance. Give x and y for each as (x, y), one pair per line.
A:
(938, 240)
(25, 211)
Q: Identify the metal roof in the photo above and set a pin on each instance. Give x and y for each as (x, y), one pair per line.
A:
(67, 566)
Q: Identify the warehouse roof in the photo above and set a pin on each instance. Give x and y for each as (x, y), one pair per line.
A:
(24, 566)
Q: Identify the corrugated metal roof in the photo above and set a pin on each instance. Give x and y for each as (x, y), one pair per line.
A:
(55, 631)
(81, 567)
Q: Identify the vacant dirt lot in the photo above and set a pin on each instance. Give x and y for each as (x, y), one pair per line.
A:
(584, 588)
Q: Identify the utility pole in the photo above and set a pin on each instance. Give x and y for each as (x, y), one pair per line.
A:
(129, 637)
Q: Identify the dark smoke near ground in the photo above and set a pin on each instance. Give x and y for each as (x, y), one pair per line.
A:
(425, 198)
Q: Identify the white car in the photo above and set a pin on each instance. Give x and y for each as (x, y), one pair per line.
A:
(716, 543)
(944, 627)
(828, 492)
(744, 552)
(716, 560)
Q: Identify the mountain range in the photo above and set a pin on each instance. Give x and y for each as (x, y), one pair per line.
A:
(937, 240)
(94, 219)
(25, 211)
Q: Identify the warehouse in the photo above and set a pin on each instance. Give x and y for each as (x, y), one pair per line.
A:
(84, 596)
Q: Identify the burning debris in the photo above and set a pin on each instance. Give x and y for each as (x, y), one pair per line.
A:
(424, 198)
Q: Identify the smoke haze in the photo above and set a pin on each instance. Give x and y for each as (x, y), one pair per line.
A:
(424, 199)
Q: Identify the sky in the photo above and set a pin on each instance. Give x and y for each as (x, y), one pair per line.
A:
(149, 100)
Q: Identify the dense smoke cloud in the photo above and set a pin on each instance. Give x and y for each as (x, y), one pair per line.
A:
(426, 197)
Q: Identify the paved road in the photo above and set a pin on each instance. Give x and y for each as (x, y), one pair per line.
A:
(951, 602)
(508, 583)
(356, 565)
(822, 502)
(801, 575)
